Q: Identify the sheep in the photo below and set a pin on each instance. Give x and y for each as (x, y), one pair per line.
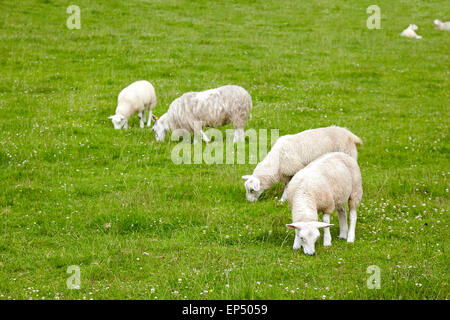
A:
(137, 97)
(211, 108)
(410, 32)
(324, 185)
(291, 153)
(442, 25)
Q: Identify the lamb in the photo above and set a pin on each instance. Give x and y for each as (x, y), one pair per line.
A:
(442, 25)
(410, 32)
(211, 108)
(137, 97)
(324, 185)
(292, 153)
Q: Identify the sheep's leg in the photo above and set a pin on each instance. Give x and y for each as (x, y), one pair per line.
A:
(141, 117)
(125, 125)
(204, 136)
(198, 132)
(326, 231)
(238, 135)
(284, 195)
(200, 135)
(149, 121)
(351, 230)
(343, 227)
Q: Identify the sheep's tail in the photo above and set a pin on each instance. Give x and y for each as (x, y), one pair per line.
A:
(356, 140)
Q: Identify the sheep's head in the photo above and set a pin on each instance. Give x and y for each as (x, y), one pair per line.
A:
(252, 188)
(413, 27)
(437, 22)
(306, 235)
(160, 129)
(118, 121)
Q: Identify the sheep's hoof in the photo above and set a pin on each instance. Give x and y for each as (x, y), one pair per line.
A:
(342, 237)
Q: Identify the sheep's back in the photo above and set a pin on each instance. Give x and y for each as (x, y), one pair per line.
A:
(298, 150)
(333, 176)
(209, 108)
(139, 95)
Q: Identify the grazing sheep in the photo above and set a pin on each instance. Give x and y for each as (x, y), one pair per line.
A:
(293, 152)
(410, 32)
(442, 25)
(324, 185)
(211, 108)
(137, 97)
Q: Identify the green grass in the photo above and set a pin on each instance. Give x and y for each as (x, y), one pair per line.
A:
(76, 192)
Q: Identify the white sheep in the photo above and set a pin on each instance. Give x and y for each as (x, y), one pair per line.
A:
(194, 111)
(292, 153)
(137, 97)
(326, 184)
(442, 25)
(410, 32)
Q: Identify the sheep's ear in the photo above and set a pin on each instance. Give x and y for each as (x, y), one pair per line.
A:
(319, 225)
(295, 225)
(110, 117)
(246, 177)
(154, 117)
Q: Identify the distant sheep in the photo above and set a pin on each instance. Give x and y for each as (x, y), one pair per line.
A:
(410, 32)
(292, 153)
(326, 184)
(442, 25)
(137, 97)
(194, 111)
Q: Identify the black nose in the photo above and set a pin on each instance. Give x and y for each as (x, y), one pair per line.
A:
(311, 254)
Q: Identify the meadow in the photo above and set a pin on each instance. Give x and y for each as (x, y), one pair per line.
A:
(74, 191)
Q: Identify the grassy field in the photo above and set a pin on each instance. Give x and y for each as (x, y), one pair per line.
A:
(74, 191)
